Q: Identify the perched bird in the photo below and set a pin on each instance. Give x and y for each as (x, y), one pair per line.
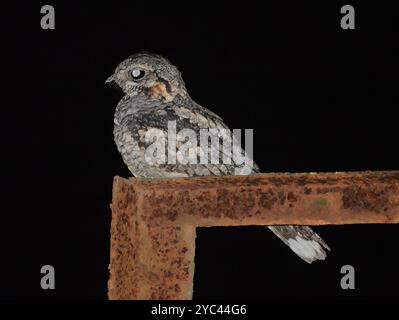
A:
(155, 96)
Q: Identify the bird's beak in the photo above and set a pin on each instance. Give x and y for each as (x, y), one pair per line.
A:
(110, 79)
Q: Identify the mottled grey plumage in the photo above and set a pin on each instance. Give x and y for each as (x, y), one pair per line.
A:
(155, 93)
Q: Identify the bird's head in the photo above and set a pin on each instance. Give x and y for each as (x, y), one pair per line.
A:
(149, 75)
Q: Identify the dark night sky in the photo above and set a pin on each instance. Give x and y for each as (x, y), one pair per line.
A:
(319, 98)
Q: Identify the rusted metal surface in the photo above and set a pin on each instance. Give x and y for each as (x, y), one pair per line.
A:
(154, 221)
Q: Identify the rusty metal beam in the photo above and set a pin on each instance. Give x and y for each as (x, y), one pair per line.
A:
(154, 221)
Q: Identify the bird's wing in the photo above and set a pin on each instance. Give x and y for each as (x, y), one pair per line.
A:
(144, 128)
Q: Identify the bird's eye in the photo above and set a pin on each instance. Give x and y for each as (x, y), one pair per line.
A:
(137, 74)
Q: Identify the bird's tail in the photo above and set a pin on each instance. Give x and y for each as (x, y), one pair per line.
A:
(303, 241)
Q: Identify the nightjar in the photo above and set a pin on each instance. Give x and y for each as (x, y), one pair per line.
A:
(155, 97)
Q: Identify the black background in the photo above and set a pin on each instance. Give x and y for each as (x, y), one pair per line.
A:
(319, 98)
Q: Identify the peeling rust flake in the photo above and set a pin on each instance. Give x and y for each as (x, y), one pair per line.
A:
(361, 198)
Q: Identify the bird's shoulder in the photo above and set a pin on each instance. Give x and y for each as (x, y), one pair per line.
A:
(186, 115)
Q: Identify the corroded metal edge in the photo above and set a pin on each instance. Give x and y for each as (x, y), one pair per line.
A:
(277, 198)
(153, 221)
(147, 260)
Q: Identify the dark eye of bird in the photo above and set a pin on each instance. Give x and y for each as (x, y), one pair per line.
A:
(137, 74)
